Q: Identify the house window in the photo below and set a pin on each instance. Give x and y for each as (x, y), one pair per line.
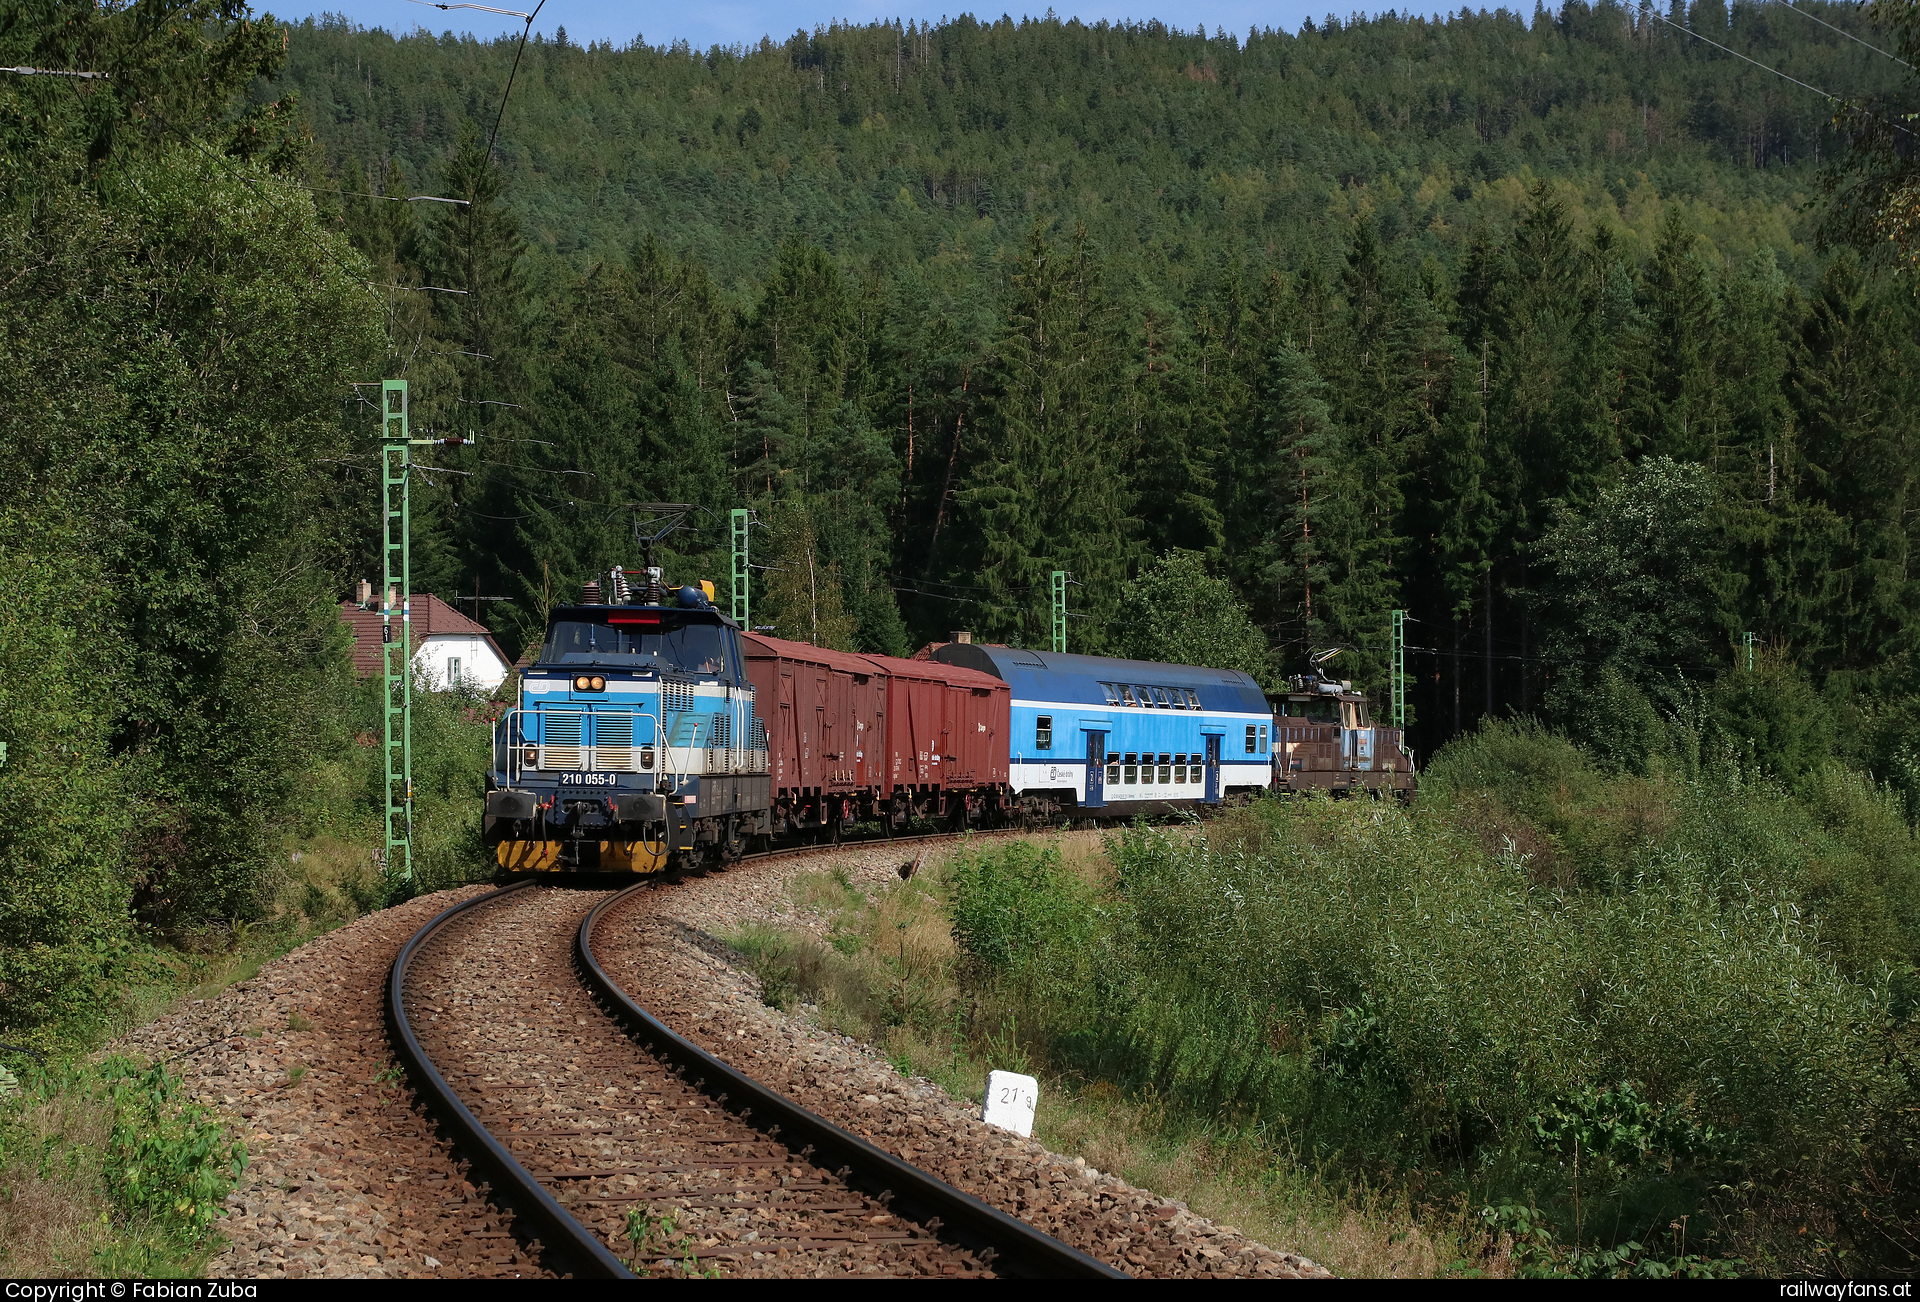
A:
(453, 671)
(1043, 732)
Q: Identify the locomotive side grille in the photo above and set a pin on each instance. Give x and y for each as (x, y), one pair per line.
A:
(676, 696)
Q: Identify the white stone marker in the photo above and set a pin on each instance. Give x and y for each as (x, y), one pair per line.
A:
(1011, 1100)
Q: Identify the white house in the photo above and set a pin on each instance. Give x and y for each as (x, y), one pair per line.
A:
(450, 649)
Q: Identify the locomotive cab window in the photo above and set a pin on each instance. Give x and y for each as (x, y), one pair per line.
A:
(1043, 732)
(1314, 709)
(649, 640)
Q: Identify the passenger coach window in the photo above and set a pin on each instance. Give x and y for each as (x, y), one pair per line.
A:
(1250, 739)
(1263, 737)
(1113, 768)
(1132, 771)
(1113, 697)
(1166, 768)
(1146, 697)
(1043, 732)
(1126, 695)
(1160, 696)
(1193, 702)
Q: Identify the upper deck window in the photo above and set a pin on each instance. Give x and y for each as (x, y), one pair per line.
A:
(1160, 698)
(1193, 701)
(685, 643)
(1113, 697)
(1126, 695)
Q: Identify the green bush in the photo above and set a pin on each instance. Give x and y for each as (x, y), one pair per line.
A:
(1019, 908)
(108, 1170)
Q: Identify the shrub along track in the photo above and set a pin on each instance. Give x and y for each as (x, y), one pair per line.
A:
(601, 1142)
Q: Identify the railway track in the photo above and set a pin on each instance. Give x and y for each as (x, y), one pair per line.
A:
(625, 1145)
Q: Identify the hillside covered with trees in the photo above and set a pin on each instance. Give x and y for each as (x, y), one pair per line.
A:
(1581, 336)
(1526, 326)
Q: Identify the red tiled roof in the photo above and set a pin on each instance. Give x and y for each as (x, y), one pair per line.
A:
(431, 616)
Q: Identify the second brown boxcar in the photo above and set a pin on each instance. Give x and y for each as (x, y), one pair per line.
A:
(820, 709)
(945, 742)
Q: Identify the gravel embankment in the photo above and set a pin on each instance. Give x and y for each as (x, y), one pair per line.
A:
(667, 956)
(346, 1177)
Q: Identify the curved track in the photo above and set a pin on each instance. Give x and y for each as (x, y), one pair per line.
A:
(626, 1143)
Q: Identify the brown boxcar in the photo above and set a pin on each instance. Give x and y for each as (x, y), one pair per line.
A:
(820, 708)
(945, 739)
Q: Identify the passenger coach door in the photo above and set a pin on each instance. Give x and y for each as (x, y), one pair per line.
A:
(1096, 769)
(1213, 770)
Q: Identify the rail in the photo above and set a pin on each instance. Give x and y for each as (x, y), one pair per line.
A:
(511, 1182)
(1013, 1246)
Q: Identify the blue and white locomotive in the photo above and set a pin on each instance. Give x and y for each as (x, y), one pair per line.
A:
(635, 739)
(1100, 737)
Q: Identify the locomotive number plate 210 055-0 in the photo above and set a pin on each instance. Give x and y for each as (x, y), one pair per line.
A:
(589, 779)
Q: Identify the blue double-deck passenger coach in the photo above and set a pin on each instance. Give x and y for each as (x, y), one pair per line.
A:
(1124, 736)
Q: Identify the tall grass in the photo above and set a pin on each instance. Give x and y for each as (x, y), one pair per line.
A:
(1645, 1025)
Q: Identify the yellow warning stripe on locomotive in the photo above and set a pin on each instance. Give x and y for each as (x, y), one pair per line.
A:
(615, 856)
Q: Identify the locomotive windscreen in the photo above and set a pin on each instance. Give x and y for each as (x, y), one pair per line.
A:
(686, 644)
(1314, 709)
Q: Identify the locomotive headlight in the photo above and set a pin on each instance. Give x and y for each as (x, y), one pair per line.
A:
(598, 683)
(531, 756)
(583, 684)
(646, 757)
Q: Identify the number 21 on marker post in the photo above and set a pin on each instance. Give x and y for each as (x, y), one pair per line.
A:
(1011, 1100)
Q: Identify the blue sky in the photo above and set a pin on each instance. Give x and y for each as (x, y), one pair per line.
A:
(726, 22)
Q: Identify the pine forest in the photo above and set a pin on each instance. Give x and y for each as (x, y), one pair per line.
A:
(1589, 338)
